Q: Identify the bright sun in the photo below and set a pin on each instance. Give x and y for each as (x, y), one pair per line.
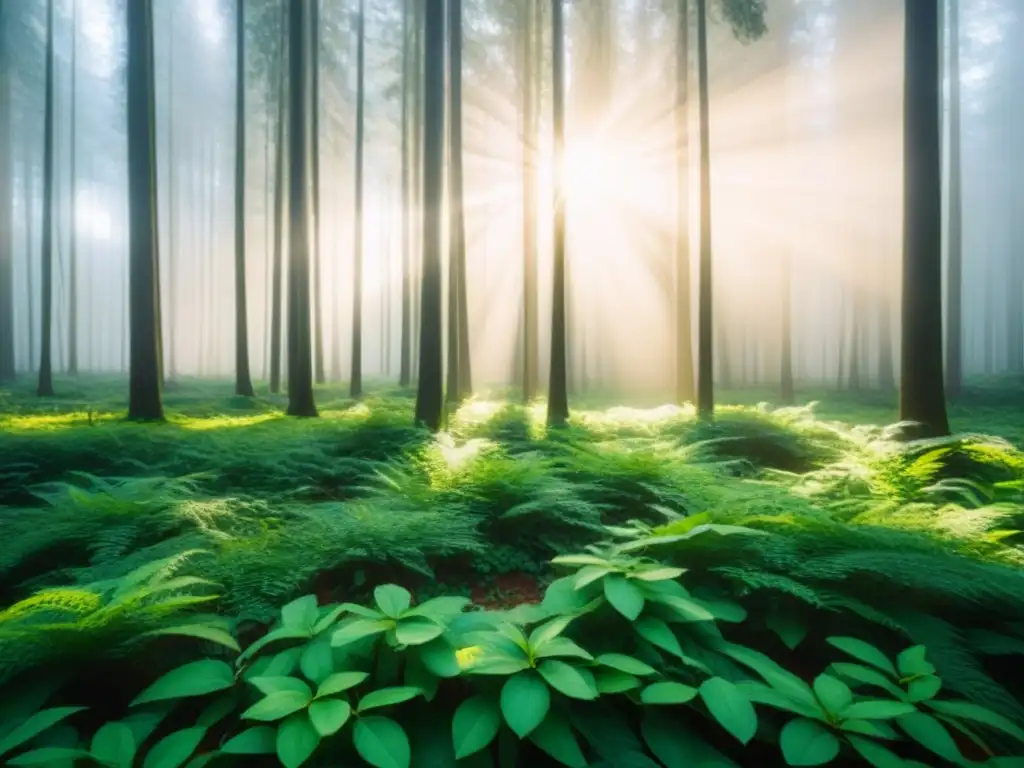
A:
(593, 174)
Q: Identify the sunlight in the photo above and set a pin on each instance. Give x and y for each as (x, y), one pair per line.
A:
(210, 21)
(92, 219)
(592, 171)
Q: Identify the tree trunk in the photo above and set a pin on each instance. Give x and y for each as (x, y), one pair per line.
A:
(787, 394)
(243, 379)
(7, 360)
(300, 363)
(172, 202)
(430, 391)
(144, 322)
(558, 394)
(318, 309)
(922, 395)
(356, 381)
(45, 388)
(954, 225)
(405, 353)
(277, 292)
(705, 338)
(531, 50)
(684, 332)
(73, 245)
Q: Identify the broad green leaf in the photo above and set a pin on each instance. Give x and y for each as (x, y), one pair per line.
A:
(667, 693)
(357, 629)
(317, 661)
(475, 725)
(658, 573)
(277, 706)
(730, 708)
(297, 740)
(876, 729)
(36, 724)
(175, 749)
(49, 757)
(780, 679)
(579, 560)
(876, 709)
(858, 673)
(328, 616)
(875, 753)
(555, 737)
(258, 740)
(568, 680)
(624, 595)
(269, 685)
(362, 611)
(340, 681)
(790, 629)
(548, 631)
(760, 693)
(274, 636)
(924, 688)
(208, 632)
(965, 710)
(525, 701)
(930, 734)
(805, 742)
(613, 681)
(833, 694)
(385, 697)
(440, 658)
(626, 664)
(912, 662)
(686, 609)
(725, 610)
(213, 713)
(439, 607)
(329, 715)
(197, 678)
(677, 746)
(114, 745)
(281, 664)
(301, 613)
(417, 631)
(657, 633)
(382, 742)
(590, 574)
(392, 600)
(561, 646)
(864, 652)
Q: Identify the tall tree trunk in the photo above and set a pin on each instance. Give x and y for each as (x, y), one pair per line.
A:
(705, 331)
(243, 379)
(405, 353)
(418, 186)
(356, 382)
(558, 387)
(531, 50)
(300, 352)
(318, 310)
(144, 322)
(922, 395)
(954, 225)
(73, 245)
(29, 191)
(430, 391)
(277, 292)
(787, 394)
(683, 330)
(172, 201)
(7, 344)
(45, 388)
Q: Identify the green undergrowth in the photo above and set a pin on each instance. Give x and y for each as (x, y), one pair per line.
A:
(849, 528)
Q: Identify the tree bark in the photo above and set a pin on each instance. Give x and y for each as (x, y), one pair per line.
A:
(705, 330)
(558, 394)
(356, 380)
(684, 332)
(318, 310)
(277, 291)
(45, 388)
(7, 343)
(405, 352)
(243, 379)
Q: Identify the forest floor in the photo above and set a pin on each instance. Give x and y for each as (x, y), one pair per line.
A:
(270, 507)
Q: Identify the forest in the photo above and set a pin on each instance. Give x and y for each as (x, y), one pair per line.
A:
(505, 383)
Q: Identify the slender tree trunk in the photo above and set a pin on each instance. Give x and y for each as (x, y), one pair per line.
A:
(954, 224)
(787, 394)
(705, 338)
(144, 326)
(922, 395)
(7, 343)
(30, 283)
(356, 383)
(558, 394)
(405, 353)
(45, 388)
(531, 49)
(73, 245)
(684, 332)
(243, 379)
(418, 186)
(277, 293)
(318, 310)
(300, 363)
(172, 201)
(430, 391)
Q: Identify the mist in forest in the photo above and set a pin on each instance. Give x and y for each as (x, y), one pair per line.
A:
(806, 151)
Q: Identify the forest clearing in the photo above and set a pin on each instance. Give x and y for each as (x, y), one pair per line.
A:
(506, 383)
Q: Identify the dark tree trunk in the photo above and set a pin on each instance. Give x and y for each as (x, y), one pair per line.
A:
(705, 330)
(243, 380)
(405, 353)
(430, 391)
(300, 351)
(356, 382)
(684, 333)
(418, 132)
(277, 292)
(531, 51)
(558, 387)
(922, 395)
(144, 322)
(73, 245)
(318, 309)
(7, 364)
(954, 226)
(45, 388)
(787, 394)
(171, 259)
